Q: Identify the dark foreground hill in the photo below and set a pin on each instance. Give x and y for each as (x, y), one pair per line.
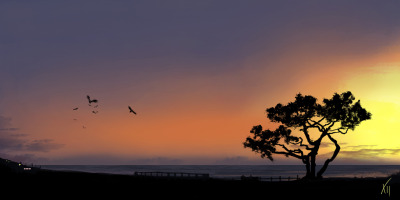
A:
(81, 185)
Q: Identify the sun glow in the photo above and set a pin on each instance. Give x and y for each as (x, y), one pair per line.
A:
(379, 91)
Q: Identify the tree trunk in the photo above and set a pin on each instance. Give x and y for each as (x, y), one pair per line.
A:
(312, 158)
(308, 170)
(335, 153)
(312, 167)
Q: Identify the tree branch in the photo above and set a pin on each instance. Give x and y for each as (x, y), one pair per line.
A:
(316, 124)
(339, 130)
(335, 153)
(326, 130)
(330, 126)
(305, 131)
(290, 152)
(301, 144)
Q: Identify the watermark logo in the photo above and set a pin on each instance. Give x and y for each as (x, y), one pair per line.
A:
(386, 188)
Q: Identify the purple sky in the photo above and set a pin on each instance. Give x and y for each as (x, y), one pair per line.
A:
(178, 63)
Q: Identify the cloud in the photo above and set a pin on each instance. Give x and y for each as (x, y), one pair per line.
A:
(9, 129)
(45, 145)
(361, 146)
(11, 142)
(5, 122)
(14, 143)
(383, 156)
(326, 144)
(113, 159)
(370, 153)
(110, 159)
(19, 142)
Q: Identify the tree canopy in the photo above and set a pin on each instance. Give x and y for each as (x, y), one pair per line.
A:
(336, 115)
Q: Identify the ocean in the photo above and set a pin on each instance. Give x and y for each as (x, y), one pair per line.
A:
(236, 171)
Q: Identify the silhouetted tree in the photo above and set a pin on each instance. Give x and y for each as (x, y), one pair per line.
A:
(314, 122)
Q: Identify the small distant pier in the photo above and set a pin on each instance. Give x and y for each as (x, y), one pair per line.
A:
(173, 175)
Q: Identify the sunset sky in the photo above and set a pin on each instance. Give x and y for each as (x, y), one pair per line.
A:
(199, 74)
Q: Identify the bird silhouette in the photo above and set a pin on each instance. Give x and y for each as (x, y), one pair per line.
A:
(91, 100)
(95, 112)
(75, 108)
(131, 110)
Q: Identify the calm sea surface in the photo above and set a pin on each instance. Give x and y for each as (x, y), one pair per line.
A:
(235, 171)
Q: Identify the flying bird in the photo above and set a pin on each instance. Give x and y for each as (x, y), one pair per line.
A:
(91, 100)
(131, 110)
(95, 112)
(75, 108)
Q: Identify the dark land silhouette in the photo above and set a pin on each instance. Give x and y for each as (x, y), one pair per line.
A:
(305, 115)
(73, 184)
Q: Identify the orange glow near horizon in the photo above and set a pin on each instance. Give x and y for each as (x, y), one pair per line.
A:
(213, 126)
(192, 130)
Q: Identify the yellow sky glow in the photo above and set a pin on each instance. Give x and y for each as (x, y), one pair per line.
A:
(378, 88)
